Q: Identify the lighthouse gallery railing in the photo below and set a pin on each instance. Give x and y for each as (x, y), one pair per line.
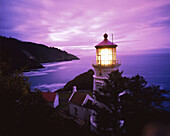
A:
(106, 62)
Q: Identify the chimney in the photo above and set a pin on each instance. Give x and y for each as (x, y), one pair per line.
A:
(74, 89)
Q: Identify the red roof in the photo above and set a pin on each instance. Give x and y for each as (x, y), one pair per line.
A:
(106, 43)
(48, 96)
(78, 98)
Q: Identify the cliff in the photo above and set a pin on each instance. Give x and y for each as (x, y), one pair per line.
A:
(29, 55)
(83, 81)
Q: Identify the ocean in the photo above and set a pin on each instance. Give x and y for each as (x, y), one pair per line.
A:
(155, 68)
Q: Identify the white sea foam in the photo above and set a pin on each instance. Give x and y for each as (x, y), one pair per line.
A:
(62, 67)
(50, 70)
(34, 73)
(56, 63)
(51, 87)
(39, 72)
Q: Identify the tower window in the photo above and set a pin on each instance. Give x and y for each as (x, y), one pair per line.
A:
(100, 73)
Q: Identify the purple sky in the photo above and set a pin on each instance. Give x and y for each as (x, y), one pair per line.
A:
(138, 26)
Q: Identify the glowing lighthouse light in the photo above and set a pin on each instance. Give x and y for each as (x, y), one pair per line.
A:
(106, 52)
(105, 57)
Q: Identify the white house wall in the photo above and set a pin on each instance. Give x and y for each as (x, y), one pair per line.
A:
(56, 101)
(82, 113)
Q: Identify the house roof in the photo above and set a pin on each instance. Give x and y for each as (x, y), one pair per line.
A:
(78, 98)
(49, 96)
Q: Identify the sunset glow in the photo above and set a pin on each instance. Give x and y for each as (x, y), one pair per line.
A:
(77, 26)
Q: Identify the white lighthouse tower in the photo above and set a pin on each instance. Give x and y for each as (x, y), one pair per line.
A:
(106, 62)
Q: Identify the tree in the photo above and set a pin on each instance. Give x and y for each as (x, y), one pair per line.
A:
(21, 109)
(139, 104)
(128, 99)
(146, 95)
(108, 115)
(25, 112)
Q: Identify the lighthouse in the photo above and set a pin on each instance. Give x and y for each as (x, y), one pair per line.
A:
(106, 61)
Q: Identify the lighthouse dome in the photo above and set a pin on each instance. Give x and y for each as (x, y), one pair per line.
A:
(106, 43)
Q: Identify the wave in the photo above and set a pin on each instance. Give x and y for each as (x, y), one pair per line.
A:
(39, 72)
(51, 87)
(34, 73)
(52, 64)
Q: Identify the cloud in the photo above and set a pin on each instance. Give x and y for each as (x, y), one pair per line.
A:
(77, 26)
(163, 10)
(162, 23)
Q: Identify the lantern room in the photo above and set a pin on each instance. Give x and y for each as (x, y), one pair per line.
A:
(106, 53)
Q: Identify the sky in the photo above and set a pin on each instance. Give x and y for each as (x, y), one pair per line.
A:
(76, 26)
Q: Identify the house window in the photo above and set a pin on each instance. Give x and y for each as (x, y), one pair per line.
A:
(75, 111)
(98, 85)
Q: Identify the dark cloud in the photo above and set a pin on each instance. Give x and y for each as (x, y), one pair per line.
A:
(163, 10)
(164, 23)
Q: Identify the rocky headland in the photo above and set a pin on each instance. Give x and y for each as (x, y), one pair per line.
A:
(29, 55)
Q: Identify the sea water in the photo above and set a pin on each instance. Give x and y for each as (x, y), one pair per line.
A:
(155, 68)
